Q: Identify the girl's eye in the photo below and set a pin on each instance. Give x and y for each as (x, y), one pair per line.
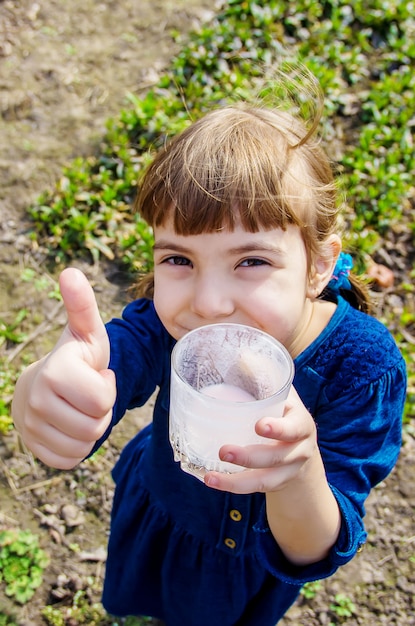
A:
(253, 262)
(177, 260)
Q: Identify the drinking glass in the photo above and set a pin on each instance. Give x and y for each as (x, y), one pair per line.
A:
(224, 378)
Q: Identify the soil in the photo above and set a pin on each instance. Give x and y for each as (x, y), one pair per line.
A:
(65, 68)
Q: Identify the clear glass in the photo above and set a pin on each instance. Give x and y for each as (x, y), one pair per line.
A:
(224, 378)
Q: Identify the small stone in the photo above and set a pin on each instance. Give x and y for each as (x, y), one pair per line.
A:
(72, 515)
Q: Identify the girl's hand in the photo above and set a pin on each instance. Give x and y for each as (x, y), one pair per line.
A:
(271, 466)
(63, 403)
(302, 512)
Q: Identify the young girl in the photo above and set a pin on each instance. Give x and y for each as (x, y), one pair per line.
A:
(244, 211)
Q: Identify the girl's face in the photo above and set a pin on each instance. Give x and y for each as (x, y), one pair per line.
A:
(260, 279)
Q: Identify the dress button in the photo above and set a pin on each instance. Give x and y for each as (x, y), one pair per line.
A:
(230, 543)
(235, 515)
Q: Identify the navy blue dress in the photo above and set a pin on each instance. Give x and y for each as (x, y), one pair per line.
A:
(193, 556)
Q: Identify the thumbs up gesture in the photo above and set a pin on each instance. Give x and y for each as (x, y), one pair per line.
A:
(63, 403)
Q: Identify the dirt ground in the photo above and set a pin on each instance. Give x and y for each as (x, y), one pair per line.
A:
(65, 67)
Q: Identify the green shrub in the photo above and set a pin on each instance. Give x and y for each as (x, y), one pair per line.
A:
(22, 562)
(8, 377)
(361, 52)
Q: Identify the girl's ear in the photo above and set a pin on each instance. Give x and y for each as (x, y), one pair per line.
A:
(323, 266)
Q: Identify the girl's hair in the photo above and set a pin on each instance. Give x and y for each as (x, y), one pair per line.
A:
(243, 164)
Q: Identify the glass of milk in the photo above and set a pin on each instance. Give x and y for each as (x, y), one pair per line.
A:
(224, 378)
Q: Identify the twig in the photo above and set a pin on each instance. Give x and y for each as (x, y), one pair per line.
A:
(19, 490)
(385, 559)
(5, 519)
(408, 336)
(33, 335)
(9, 477)
(41, 483)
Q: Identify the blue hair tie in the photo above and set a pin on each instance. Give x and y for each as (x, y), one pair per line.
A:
(340, 276)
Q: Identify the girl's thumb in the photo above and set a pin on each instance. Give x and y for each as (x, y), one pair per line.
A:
(84, 319)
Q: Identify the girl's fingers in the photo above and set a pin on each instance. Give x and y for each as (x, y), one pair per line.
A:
(296, 425)
(65, 461)
(65, 446)
(266, 456)
(87, 390)
(288, 444)
(250, 481)
(63, 420)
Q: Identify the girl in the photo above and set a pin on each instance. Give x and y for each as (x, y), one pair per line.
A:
(244, 210)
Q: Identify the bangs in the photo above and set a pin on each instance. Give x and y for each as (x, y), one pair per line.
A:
(206, 201)
(234, 166)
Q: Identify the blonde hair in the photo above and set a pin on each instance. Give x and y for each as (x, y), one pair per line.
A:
(260, 167)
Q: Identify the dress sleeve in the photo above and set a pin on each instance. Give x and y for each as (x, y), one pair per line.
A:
(359, 436)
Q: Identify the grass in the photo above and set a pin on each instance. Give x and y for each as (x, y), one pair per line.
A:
(363, 56)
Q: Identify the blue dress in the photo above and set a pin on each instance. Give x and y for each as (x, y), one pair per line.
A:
(193, 556)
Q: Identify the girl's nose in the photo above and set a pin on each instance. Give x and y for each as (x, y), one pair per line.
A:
(212, 298)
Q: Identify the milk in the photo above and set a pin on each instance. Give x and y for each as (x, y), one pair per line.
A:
(231, 393)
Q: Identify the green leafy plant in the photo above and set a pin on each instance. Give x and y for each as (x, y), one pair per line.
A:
(43, 283)
(340, 41)
(7, 620)
(311, 589)
(22, 563)
(343, 606)
(8, 377)
(13, 332)
(82, 612)
(9, 330)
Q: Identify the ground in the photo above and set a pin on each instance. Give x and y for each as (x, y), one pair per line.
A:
(65, 67)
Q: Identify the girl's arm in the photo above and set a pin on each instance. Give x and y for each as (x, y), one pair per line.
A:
(304, 516)
(315, 494)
